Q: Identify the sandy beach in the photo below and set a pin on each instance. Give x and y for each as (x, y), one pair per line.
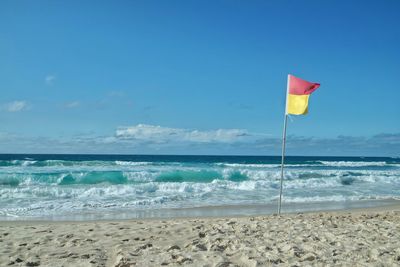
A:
(359, 237)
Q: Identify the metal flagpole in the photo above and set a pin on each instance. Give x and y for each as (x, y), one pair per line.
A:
(283, 147)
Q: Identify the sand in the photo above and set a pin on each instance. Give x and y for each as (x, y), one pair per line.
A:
(358, 238)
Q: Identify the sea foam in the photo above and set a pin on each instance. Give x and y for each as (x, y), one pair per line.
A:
(54, 187)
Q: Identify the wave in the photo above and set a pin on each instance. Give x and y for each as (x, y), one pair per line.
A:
(132, 163)
(188, 174)
(89, 163)
(69, 163)
(119, 177)
(46, 163)
(123, 165)
(353, 163)
(97, 192)
(312, 164)
(9, 181)
(36, 185)
(94, 178)
(218, 189)
(246, 165)
(4, 163)
(64, 200)
(202, 176)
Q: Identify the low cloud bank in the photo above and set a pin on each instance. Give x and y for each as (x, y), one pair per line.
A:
(153, 139)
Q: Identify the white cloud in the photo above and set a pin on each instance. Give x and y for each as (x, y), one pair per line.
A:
(49, 79)
(15, 106)
(154, 133)
(72, 104)
(385, 144)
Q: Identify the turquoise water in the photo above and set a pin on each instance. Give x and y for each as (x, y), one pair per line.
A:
(52, 186)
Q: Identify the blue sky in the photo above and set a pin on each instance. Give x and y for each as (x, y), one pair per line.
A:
(198, 77)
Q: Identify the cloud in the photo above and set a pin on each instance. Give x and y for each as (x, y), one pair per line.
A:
(160, 134)
(151, 139)
(49, 79)
(73, 104)
(386, 144)
(386, 139)
(15, 106)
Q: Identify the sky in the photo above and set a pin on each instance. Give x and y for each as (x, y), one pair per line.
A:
(198, 77)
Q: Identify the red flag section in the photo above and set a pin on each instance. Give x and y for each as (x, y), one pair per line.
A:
(298, 86)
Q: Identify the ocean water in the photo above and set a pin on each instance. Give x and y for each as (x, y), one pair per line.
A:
(120, 186)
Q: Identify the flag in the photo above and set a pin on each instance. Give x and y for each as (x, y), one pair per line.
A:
(298, 93)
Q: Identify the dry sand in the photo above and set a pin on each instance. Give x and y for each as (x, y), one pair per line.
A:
(358, 238)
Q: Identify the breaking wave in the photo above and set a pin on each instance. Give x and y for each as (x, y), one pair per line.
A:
(353, 163)
(32, 187)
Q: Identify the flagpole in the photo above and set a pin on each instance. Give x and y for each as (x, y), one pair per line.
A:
(283, 148)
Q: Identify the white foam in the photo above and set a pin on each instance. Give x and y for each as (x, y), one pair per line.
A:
(23, 163)
(132, 163)
(243, 165)
(335, 198)
(352, 163)
(34, 195)
(140, 176)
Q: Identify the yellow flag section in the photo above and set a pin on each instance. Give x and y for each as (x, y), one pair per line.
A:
(297, 104)
(298, 94)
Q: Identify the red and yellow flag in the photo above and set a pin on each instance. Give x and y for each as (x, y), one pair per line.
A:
(297, 96)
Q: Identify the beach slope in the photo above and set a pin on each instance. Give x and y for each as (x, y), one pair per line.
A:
(362, 238)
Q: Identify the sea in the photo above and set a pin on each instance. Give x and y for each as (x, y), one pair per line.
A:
(86, 187)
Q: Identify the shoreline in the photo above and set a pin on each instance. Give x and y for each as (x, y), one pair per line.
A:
(222, 211)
